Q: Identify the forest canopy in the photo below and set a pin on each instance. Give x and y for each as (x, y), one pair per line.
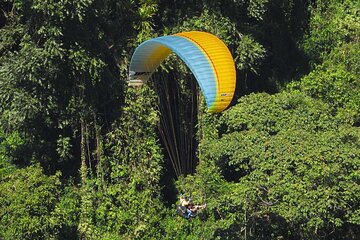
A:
(85, 156)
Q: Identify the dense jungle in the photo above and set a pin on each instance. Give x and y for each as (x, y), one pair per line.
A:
(85, 156)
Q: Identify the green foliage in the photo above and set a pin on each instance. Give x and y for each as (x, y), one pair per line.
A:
(335, 79)
(336, 86)
(33, 207)
(65, 216)
(346, 56)
(134, 140)
(8, 143)
(57, 66)
(249, 54)
(332, 24)
(127, 205)
(271, 167)
(145, 14)
(291, 162)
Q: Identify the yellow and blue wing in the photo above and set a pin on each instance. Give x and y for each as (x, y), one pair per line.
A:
(206, 56)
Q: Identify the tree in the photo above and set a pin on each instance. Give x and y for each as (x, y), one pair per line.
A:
(332, 43)
(59, 74)
(124, 200)
(291, 164)
(34, 206)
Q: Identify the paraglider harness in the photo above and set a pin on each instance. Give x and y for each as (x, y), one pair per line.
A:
(185, 212)
(183, 209)
(186, 208)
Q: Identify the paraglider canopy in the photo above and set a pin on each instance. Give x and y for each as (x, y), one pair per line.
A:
(206, 56)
